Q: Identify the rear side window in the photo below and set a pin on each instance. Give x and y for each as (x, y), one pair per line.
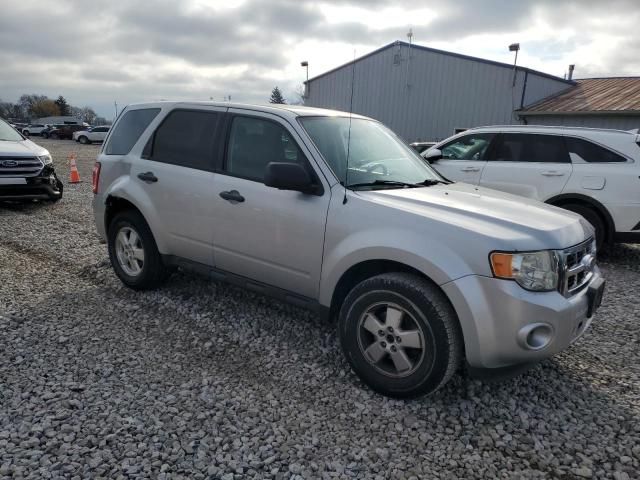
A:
(522, 147)
(592, 153)
(186, 138)
(129, 129)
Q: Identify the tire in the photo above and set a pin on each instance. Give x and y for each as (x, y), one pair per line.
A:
(54, 136)
(60, 187)
(152, 271)
(84, 140)
(594, 218)
(404, 306)
(44, 135)
(26, 133)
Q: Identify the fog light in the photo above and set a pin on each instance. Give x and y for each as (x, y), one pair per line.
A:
(535, 336)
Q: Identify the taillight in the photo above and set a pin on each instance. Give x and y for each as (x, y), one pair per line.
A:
(95, 177)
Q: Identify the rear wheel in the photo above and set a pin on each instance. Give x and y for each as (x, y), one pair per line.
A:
(133, 252)
(25, 133)
(400, 335)
(54, 136)
(594, 218)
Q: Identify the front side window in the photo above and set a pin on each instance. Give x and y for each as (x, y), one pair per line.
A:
(469, 147)
(523, 147)
(186, 138)
(375, 153)
(128, 130)
(254, 143)
(592, 153)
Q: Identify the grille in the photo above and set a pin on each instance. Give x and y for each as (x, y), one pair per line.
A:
(20, 166)
(576, 267)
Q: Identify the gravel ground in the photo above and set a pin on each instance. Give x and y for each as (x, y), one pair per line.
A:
(204, 380)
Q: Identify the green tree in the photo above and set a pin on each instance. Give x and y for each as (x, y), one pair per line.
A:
(63, 106)
(276, 96)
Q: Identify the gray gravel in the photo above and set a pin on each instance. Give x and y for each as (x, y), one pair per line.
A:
(204, 380)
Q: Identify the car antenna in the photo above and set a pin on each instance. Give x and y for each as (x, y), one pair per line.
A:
(346, 173)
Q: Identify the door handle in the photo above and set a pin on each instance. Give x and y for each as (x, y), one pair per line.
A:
(232, 196)
(148, 177)
(552, 173)
(470, 169)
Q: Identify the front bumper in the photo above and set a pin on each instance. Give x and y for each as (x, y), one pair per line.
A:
(45, 186)
(494, 314)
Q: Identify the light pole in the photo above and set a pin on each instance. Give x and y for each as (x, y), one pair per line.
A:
(306, 84)
(514, 47)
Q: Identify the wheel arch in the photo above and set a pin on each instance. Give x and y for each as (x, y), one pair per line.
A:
(367, 269)
(566, 198)
(115, 203)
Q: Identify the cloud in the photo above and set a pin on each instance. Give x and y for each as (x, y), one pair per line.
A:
(200, 49)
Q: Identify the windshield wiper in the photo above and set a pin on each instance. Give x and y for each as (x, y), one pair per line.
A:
(391, 183)
(432, 181)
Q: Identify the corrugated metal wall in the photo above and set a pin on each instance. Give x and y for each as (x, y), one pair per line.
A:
(620, 122)
(431, 95)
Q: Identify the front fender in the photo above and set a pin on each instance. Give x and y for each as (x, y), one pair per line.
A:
(436, 261)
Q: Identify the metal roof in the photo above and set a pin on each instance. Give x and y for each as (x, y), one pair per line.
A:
(618, 95)
(443, 52)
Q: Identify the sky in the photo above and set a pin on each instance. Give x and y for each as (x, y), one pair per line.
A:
(100, 52)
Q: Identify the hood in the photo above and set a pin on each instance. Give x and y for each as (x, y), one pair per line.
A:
(24, 148)
(519, 222)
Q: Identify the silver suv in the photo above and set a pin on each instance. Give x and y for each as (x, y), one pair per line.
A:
(421, 273)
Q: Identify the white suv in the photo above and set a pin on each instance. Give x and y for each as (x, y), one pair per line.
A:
(593, 172)
(334, 212)
(93, 134)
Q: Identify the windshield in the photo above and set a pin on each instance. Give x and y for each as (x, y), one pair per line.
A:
(376, 154)
(8, 133)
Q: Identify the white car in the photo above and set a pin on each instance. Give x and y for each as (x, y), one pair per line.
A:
(592, 172)
(94, 134)
(33, 129)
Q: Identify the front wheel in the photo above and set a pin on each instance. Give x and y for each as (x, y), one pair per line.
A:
(44, 135)
(133, 252)
(84, 140)
(400, 334)
(54, 136)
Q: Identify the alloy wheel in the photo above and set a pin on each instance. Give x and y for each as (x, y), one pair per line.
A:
(391, 339)
(129, 251)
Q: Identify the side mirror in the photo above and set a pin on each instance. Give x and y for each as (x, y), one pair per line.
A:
(432, 155)
(288, 176)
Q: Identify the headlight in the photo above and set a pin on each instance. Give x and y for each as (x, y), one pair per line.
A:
(46, 159)
(537, 271)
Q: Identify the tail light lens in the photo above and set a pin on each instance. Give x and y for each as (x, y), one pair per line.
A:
(95, 177)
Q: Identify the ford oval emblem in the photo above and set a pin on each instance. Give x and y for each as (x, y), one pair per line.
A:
(9, 163)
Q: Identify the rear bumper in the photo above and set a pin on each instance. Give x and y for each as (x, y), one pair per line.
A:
(495, 314)
(45, 186)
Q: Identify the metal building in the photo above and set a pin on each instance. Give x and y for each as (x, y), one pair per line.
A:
(426, 94)
(612, 102)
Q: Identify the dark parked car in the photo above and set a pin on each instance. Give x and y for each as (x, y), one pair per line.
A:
(62, 131)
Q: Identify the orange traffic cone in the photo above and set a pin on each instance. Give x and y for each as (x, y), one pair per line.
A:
(75, 176)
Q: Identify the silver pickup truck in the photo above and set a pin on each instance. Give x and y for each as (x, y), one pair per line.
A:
(333, 212)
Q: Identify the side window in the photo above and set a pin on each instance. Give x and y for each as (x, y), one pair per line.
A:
(254, 143)
(129, 129)
(186, 138)
(523, 147)
(469, 147)
(590, 152)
